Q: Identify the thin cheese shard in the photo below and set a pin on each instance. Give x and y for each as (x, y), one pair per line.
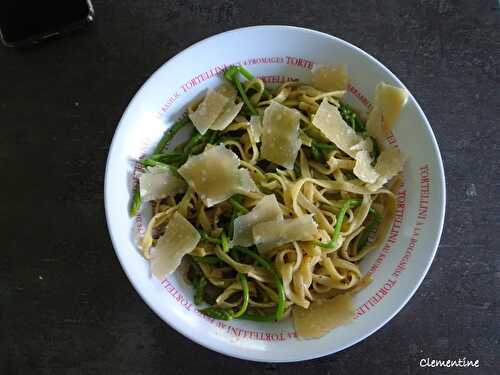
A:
(365, 144)
(227, 116)
(389, 163)
(256, 128)
(228, 91)
(329, 121)
(179, 239)
(267, 209)
(271, 234)
(215, 176)
(157, 183)
(280, 135)
(208, 110)
(388, 103)
(246, 181)
(330, 78)
(363, 168)
(322, 316)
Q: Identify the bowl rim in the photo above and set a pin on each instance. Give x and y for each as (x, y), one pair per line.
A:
(320, 353)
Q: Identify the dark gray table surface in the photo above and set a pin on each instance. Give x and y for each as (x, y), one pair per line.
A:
(66, 307)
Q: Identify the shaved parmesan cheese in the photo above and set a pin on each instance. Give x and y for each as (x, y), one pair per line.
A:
(280, 135)
(158, 183)
(228, 91)
(267, 209)
(388, 103)
(322, 316)
(215, 176)
(390, 100)
(179, 239)
(333, 126)
(271, 234)
(375, 127)
(365, 144)
(256, 128)
(246, 181)
(389, 164)
(363, 168)
(208, 111)
(228, 115)
(330, 78)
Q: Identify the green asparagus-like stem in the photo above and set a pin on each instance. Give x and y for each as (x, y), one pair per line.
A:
(246, 295)
(349, 203)
(280, 308)
(237, 206)
(363, 237)
(243, 95)
(199, 290)
(136, 202)
(351, 118)
(245, 73)
(170, 133)
(225, 242)
(154, 162)
(218, 313)
(315, 152)
(208, 259)
(206, 237)
(324, 146)
(232, 75)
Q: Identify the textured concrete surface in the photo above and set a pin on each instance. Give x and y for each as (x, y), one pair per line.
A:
(66, 306)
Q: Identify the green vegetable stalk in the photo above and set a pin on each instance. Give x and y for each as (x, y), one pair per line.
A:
(136, 202)
(245, 73)
(280, 308)
(363, 237)
(165, 139)
(199, 288)
(206, 237)
(232, 74)
(225, 242)
(246, 295)
(208, 259)
(235, 201)
(218, 313)
(349, 203)
(228, 314)
(351, 118)
(170, 133)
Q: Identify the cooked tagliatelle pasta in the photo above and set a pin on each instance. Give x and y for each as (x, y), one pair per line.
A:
(275, 199)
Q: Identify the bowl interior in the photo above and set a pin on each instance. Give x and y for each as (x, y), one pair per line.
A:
(277, 54)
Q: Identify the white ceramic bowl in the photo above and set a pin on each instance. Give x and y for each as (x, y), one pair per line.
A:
(278, 53)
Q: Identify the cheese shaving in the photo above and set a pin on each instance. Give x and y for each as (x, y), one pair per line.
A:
(208, 110)
(227, 116)
(388, 104)
(322, 316)
(280, 135)
(179, 239)
(363, 168)
(256, 128)
(267, 209)
(215, 176)
(330, 77)
(158, 183)
(228, 91)
(271, 234)
(389, 164)
(329, 121)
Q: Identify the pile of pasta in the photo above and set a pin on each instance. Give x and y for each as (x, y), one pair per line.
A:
(275, 199)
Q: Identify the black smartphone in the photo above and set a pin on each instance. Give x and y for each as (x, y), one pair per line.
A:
(25, 22)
